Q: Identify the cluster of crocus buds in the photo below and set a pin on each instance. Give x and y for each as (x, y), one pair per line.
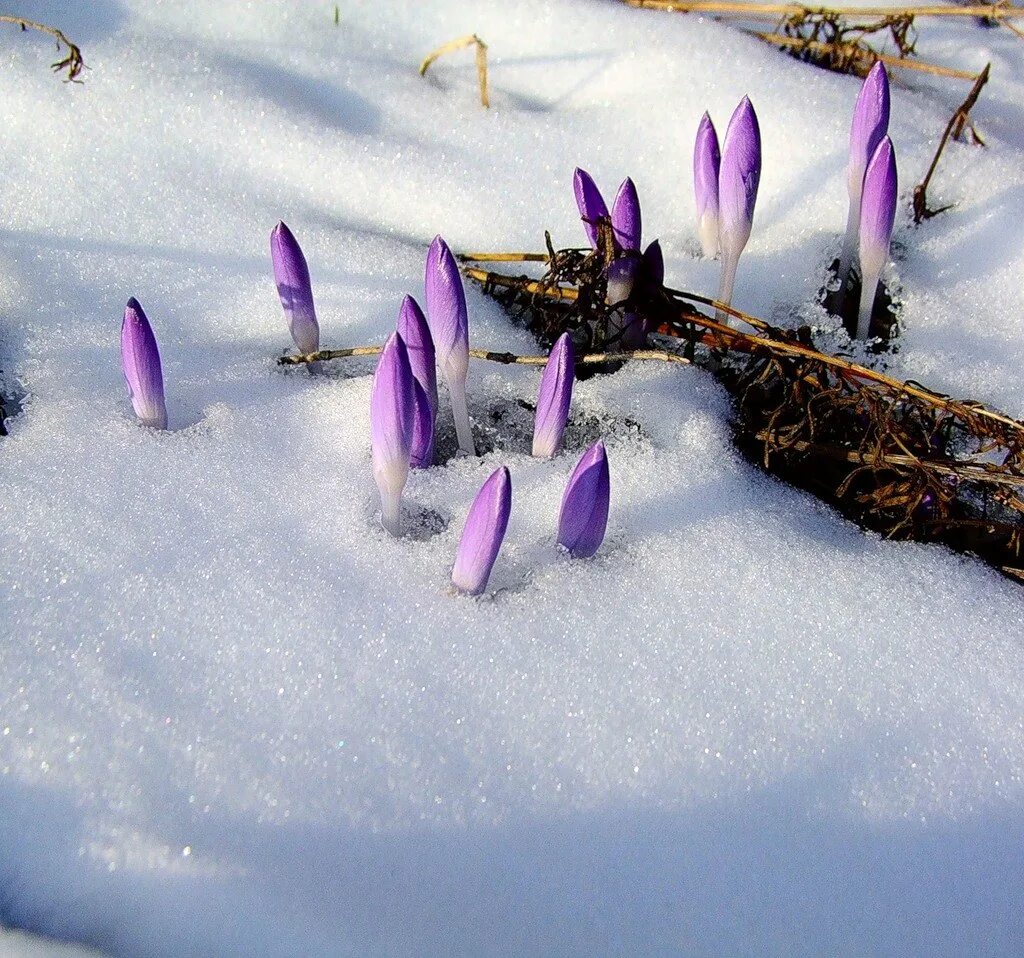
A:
(725, 185)
(628, 269)
(871, 182)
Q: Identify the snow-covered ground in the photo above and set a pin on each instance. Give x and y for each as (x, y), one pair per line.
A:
(237, 719)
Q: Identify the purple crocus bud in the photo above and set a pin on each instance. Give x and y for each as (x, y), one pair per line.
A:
(140, 360)
(448, 319)
(482, 534)
(654, 265)
(877, 214)
(292, 277)
(591, 203)
(392, 412)
(624, 324)
(413, 328)
(553, 399)
(870, 124)
(707, 159)
(626, 216)
(738, 178)
(421, 455)
(584, 514)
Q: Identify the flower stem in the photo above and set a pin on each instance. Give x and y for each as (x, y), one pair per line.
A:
(849, 244)
(869, 287)
(729, 264)
(461, 413)
(391, 513)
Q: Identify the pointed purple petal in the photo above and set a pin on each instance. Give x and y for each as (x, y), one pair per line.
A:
(392, 409)
(413, 328)
(870, 124)
(292, 277)
(878, 208)
(554, 398)
(707, 160)
(626, 216)
(584, 514)
(483, 533)
(654, 265)
(140, 361)
(738, 179)
(447, 315)
(590, 203)
(421, 455)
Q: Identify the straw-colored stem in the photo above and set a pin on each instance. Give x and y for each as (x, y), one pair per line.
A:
(73, 62)
(772, 11)
(481, 60)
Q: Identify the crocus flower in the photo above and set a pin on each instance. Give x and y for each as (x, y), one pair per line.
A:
(140, 360)
(553, 399)
(392, 411)
(737, 192)
(707, 159)
(421, 455)
(591, 204)
(654, 265)
(413, 328)
(584, 514)
(482, 534)
(626, 216)
(292, 277)
(623, 323)
(870, 124)
(877, 213)
(448, 319)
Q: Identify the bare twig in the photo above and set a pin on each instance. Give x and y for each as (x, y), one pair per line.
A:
(493, 356)
(72, 63)
(772, 11)
(953, 129)
(481, 60)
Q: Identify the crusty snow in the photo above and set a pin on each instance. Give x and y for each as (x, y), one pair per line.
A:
(238, 719)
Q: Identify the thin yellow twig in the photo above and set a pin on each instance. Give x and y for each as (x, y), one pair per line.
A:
(73, 62)
(772, 11)
(493, 356)
(481, 60)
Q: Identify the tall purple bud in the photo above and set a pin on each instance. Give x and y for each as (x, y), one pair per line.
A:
(483, 533)
(140, 360)
(877, 214)
(413, 328)
(707, 159)
(624, 324)
(584, 514)
(591, 204)
(392, 411)
(292, 277)
(626, 216)
(738, 178)
(448, 319)
(870, 124)
(554, 398)
(421, 455)
(654, 264)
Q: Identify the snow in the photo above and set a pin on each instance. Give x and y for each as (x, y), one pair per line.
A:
(238, 719)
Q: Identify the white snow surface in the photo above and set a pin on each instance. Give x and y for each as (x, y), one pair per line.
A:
(238, 719)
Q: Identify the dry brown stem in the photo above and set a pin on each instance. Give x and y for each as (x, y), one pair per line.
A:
(481, 60)
(954, 129)
(495, 356)
(771, 11)
(73, 62)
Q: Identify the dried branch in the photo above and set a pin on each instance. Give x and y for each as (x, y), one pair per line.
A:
(953, 129)
(493, 356)
(771, 11)
(72, 63)
(481, 60)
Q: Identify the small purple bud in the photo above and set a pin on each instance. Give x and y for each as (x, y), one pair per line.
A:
(591, 204)
(140, 360)
(392, 411)
(554, 398)
(877, 214)
(448, 319)
(483, 533)
(626, 216)
(870, 124)
(421, 456)
(413, 328)
(707, 159)
(292, 277)
(654, 265)
(738, 179)
(584, 514)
